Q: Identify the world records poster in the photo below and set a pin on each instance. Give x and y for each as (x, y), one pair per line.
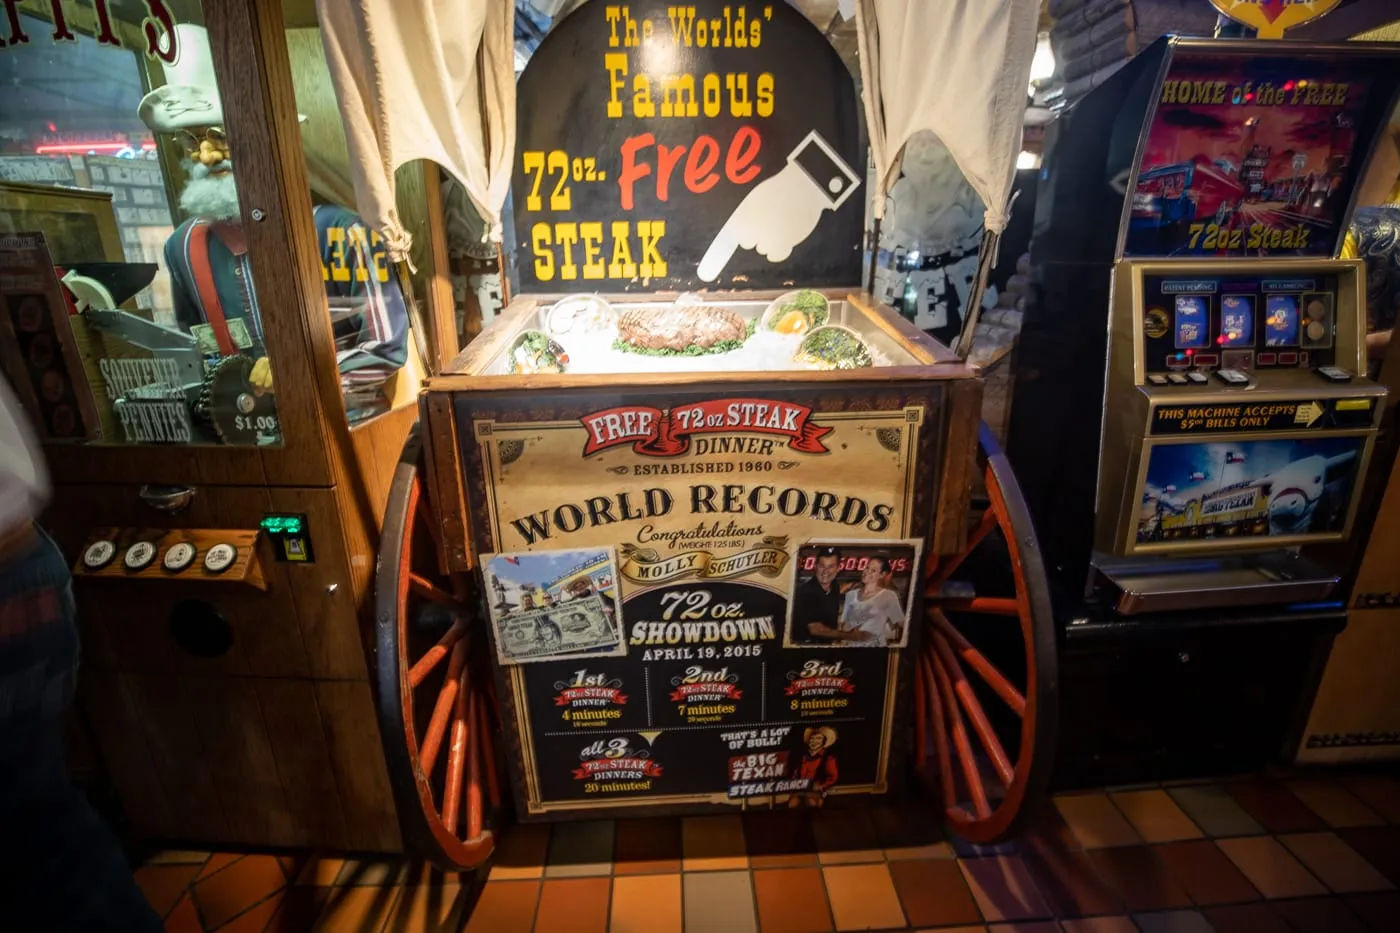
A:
(715, 520)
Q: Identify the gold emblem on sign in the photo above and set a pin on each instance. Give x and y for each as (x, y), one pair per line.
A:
(645, 565)
(1155, 323)
(1270, 18)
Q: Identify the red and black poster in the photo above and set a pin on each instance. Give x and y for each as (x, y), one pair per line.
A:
(664, 146)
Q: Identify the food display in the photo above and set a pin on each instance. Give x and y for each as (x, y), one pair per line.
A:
(694, 332)
(534, 352)
(797, 312)
(687, 330)
(581, 314)
(834, 347)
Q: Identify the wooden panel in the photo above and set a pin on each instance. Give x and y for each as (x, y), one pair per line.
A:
(169, 727)
(377, 444)
(268, 627)
(358, 759)
(103, 702)
(959, 469)
(325, 602)
(246, 570)
(250, 790)
(298, 742)
(444, 481)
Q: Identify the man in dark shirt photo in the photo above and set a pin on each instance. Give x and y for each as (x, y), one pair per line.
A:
(817, 602)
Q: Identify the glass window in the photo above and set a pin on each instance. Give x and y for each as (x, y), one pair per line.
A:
(128, 312)
(370, 297)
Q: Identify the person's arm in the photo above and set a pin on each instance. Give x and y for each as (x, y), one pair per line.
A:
(1376, 344)
(806, 610)
(358, 266)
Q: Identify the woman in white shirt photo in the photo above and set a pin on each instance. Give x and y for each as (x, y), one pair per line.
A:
(872, 614)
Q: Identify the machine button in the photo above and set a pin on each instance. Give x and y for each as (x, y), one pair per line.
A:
(179, 556)
(1288, 359)
(220, 558)
(99, 554)
(1157, 379)
(1232, 377)
(139, 555)
(1267, 359)
(1176, 379)
(1196, 377)
(1334, 374)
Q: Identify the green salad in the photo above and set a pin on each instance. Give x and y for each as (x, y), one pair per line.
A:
(834, 347)
(797, 312)
(533, 352)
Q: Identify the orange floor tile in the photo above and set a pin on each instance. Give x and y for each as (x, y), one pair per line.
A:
(1189, 859)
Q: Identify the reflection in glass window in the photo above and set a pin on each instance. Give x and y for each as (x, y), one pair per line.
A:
(135, 304)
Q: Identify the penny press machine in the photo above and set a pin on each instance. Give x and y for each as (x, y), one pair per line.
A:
(1193, 454)
(696, 524)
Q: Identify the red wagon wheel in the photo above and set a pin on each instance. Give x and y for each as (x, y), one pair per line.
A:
(986, 679)
(436, 709)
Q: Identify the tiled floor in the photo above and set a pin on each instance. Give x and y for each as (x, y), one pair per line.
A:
(1248, 856)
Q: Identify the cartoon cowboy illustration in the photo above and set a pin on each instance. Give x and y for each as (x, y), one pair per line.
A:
(207, 255)
(817, 765)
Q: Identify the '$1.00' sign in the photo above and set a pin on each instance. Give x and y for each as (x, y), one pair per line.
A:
(1270, 18)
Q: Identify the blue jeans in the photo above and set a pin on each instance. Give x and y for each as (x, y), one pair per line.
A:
(61, 868)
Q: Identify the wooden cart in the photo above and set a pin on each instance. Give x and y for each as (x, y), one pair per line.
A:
(971, 709)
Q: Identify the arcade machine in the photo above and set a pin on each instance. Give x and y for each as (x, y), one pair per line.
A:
(1181, 460)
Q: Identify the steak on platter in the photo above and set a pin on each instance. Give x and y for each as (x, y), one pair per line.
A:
(678, 327)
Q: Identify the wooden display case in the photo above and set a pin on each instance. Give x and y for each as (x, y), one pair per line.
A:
(718, 485)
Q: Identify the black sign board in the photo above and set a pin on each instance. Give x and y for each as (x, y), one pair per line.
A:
(667, 147)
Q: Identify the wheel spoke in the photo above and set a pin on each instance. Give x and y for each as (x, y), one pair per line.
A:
(940, 735)
(974, 710)
(991, 605)
(419, 671)
(430, 591)
(979, 663)
(473, 796)
(442, 710)
(963, 747)
(488, 755)
(946, 570)
(456, 756)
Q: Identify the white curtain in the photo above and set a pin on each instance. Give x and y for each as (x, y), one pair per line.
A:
(407, 78)
(958, 68)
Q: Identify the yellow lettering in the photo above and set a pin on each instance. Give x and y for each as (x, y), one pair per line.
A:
(335, 236)
(651, 232)
(566, 235)
(678, 96)
(616, 63)
(710, 93)
(642, 104)
(540, 241)
(622, 266)
(592, 235)
(765, 95)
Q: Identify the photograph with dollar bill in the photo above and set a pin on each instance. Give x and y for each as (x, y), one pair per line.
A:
(551, 605)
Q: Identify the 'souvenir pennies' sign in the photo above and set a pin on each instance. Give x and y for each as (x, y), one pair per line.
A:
(664, 146)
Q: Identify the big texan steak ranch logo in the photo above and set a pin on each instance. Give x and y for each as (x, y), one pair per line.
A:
(656, 432)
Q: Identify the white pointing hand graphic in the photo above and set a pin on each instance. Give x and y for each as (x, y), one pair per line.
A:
(782, 211)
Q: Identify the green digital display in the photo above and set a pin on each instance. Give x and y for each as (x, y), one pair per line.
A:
(290, 537)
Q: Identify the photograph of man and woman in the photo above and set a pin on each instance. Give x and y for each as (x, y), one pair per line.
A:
(852, 594)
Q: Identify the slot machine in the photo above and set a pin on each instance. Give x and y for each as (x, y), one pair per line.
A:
(1192, 412)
